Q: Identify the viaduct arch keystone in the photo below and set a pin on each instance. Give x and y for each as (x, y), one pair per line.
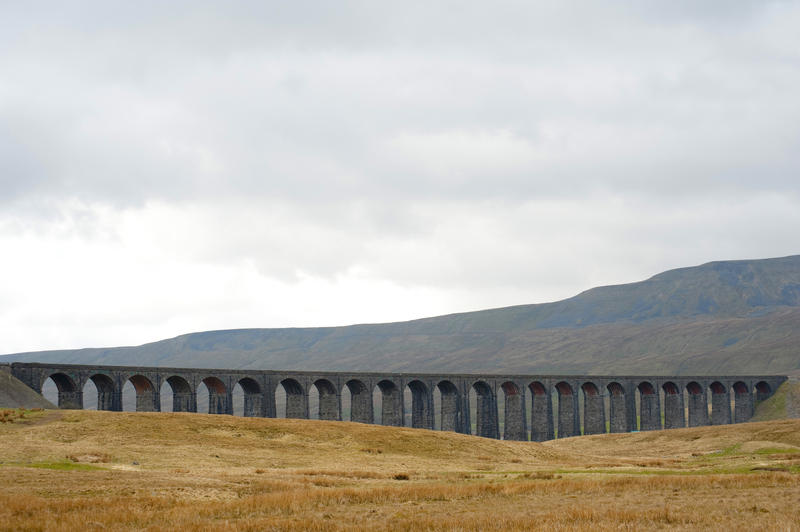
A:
(536, 407)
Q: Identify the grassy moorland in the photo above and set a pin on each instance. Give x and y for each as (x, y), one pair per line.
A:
(68, 470)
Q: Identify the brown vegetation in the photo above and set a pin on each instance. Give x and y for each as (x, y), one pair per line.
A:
(97, 470)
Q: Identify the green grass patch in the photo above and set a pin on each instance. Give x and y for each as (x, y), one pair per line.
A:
(61, 465)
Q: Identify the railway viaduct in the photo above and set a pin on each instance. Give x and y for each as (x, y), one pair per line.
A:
(534, 406)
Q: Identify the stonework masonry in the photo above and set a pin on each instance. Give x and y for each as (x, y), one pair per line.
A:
(536, 407)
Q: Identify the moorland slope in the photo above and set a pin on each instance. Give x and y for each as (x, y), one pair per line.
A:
(741, 315)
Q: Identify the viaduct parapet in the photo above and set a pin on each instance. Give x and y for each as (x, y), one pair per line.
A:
(535, 407)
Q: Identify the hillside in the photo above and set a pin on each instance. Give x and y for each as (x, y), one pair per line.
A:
(68, 470)
(14, 393)
(742, 316)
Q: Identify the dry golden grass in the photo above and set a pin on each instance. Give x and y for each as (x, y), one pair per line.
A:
(68, 470)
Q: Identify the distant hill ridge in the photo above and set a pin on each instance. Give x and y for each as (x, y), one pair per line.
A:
(735, 316)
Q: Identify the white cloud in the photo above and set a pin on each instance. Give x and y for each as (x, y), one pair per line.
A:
(166, 168)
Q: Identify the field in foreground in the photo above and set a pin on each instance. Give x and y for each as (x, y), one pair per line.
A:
(68, 470)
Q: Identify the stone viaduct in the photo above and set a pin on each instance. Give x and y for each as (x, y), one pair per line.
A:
(535, 407)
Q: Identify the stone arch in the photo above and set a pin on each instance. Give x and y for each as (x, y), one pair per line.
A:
(391, 403)
(698, 404)
(253, 400)
(594, 409)
(720, 404)
(329, 409)
(70, 396)
(219, 400)
(742, 402)
(674, 416)
(147, 397)
(515, 425)
(296, 399)
(763, 390)
(567, 410)
(360, 401)
(618, 408)
(541, 412)
(421, 405)
(107, 399)
(649, 407)
(451, 415)
(184, 398)
(486, 423)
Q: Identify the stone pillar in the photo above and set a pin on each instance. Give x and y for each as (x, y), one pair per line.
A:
(674, 417)
(487, 422)
(148, 401)
(698, 409)
(392, 408)
(650, 415)
(618, 410)
(594, 413)
(253, 406)
(270, 408)
(116, 399)
(541, 415)
(329, 406)
(184, 402)
(297, 405)
(743, 407)
(515, 423)
(361, 405)
(105, 399)
(451, 411)
(72, 400)
(421, 406)
(721, 407)
(217, 402)
(568, 421)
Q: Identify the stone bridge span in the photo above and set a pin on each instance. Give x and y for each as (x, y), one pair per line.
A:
(535, 407)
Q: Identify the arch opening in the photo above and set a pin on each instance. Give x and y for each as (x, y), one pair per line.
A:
(139, 394)
(60, 389)
(177, 395)
(104, 396)
(358, 402)
(247, 397)
(483, 410)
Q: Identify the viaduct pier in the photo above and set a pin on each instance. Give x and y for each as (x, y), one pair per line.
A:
(534, 407)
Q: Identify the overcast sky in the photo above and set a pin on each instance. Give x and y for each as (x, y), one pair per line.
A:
(169, 167)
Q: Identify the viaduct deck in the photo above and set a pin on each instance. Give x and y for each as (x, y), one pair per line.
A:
(534, 406)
